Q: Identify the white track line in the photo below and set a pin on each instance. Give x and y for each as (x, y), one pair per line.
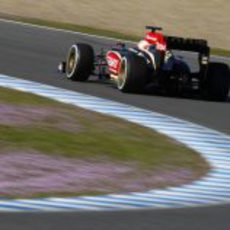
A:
(80, 33)
(27, 24)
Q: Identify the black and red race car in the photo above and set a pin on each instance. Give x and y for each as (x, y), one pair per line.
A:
(151, 62)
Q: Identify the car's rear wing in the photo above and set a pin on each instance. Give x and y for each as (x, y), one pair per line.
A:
(199, 46)
(188, 44)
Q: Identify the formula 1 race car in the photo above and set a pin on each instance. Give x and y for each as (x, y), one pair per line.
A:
(151, 62)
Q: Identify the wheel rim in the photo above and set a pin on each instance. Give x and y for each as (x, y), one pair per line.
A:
(122, 76)
(72, 61)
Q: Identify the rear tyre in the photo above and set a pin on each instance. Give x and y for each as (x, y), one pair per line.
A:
(80, 62)
(133, 74)
(217, 83)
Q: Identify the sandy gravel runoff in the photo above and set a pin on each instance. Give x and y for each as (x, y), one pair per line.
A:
(209, 19)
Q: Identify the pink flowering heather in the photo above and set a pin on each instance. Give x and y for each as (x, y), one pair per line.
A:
(23, 115)
(29, 174)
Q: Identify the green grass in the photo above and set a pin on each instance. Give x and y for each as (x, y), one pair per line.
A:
(98, 136)
(93, 31)
(220, 52)
(18, 98)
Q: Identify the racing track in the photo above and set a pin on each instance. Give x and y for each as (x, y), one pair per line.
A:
(33, 54)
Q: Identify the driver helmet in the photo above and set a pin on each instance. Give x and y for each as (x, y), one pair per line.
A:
(157, 39)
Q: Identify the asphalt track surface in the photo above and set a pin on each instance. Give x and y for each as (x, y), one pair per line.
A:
(32, 53)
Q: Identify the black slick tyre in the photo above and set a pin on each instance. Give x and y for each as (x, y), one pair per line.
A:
(80, 62)
(217, 83)
(133, 74)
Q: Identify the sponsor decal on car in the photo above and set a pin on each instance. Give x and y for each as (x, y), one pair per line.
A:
(114, 62)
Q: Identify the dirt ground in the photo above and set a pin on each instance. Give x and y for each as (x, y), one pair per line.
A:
(209, 19)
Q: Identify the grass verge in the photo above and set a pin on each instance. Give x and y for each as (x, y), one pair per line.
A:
(97, 135)
(77, 134)
(92, 30)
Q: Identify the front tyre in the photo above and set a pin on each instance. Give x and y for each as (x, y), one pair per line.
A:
(217, 83)
(133, 74)
(80, 62)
